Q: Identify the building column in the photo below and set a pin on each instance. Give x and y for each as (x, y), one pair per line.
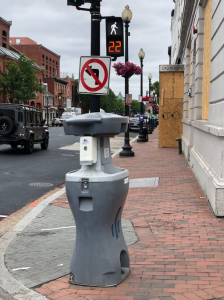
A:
(199, 63)
(186, 83)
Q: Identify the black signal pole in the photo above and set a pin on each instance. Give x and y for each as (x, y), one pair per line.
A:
(95, 47)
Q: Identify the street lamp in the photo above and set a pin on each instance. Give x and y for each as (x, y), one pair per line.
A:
(47, 110)
(141, 137)
(150, 127)
(126, 16)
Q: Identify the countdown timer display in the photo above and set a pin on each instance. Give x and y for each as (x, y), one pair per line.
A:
(114, 37)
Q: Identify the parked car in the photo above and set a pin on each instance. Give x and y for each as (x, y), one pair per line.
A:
(65, 117)
(55, 122)
(134, 125)
(22, 125)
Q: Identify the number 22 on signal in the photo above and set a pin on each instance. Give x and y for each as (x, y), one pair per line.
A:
(114, 46)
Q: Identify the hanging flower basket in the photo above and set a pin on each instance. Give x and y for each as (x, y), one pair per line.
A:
(60, 107)
(47, 106)
(127, 70)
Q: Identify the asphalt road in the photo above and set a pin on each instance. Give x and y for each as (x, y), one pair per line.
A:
(18, 170)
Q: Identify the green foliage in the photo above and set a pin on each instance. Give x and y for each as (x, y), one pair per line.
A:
(83, 99)
(20, 82)
(109, 103)
(136, 106)
(155, 87)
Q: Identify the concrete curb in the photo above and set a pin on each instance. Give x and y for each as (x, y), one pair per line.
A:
(117, 152)
(10, 288)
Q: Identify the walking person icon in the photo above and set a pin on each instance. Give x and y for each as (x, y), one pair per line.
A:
(113, 28)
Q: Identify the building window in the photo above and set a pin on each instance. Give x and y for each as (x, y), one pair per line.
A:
(17, 41)
(56, 64)
(46, 60)
(42, 58)
(4, 35)
(4, 45)
(53, 63)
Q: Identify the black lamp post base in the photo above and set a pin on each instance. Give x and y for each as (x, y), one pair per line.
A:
(126, 152)
(141, 140)
(141, 137)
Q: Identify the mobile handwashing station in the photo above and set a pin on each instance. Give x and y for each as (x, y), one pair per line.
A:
(96, 195)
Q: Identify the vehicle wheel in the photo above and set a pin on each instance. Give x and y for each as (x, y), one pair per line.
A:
(60, 125)
(52, 125)
(29, 145)
(7, 126)
(14, 145)
(45, 143)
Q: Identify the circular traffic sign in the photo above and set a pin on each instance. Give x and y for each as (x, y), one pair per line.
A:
(87, 66)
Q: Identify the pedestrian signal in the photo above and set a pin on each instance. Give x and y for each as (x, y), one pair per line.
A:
(75, 2)
(114, 37)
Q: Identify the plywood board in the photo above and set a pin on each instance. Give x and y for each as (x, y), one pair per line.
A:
(171, 108)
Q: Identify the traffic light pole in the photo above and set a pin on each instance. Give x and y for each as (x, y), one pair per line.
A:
(95, 47)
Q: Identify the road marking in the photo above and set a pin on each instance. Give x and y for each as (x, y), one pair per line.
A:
(68, 155)
(2, 216)
(25, 268)
(49, 229)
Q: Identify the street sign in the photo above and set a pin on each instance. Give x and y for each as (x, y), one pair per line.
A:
(139, 98)
(114, 37)
(128, 99)
(94, 75)
(141, 118)
(75, 2)
(145, 99)
(151, 99)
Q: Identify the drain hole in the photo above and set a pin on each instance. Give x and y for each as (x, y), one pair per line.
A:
(112, 227)
(118, 226)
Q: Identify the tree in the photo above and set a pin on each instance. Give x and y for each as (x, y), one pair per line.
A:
(83, 99)
(155, 87)
(19, 83)
(136, 106)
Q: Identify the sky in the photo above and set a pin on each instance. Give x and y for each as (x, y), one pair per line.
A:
(66, 31)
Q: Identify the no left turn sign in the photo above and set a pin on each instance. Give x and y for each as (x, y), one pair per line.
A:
(94, 75)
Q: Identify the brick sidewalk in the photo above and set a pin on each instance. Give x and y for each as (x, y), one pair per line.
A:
(180, 253)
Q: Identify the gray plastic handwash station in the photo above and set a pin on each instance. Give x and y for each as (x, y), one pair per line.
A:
(96, 194)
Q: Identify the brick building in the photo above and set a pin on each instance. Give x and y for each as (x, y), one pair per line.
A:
(4, 32)
(8, 52)
(72, 100)
(58, 88)
(44, 57)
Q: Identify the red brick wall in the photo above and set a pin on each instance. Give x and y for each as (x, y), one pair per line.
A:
(40, 54)
(70, 91)
(6, 28)
(54, 88)
(23, 41)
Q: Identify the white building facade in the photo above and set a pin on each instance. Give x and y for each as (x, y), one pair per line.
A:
(197, 33)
